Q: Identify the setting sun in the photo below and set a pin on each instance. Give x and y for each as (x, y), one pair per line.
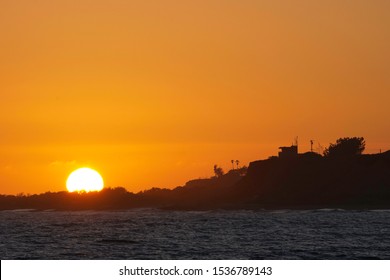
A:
(84, 180)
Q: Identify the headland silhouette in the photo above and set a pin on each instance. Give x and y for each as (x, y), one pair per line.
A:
(343, 177)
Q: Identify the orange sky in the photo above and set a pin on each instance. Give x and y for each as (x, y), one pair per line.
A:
(153, 93)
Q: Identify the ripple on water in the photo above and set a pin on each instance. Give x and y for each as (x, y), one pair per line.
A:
(153, 234)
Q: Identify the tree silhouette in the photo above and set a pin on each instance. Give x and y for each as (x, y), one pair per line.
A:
(237, 163)
(242, 171)
(218, 171)
(345, 147)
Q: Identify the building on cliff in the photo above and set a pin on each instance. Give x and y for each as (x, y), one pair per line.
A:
(288, 152)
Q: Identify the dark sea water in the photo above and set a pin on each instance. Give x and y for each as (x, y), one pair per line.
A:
(155, 234)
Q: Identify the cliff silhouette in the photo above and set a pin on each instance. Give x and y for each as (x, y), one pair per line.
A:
(291, 180)
(311, 181)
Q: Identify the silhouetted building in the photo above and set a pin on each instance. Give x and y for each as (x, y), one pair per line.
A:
(288, 152)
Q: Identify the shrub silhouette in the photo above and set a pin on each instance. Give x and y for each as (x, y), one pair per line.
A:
(218, 171)
(346, 147)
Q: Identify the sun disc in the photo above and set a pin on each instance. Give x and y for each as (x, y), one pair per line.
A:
(84, 180)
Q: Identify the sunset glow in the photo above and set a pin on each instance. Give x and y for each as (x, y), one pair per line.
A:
(155, 93)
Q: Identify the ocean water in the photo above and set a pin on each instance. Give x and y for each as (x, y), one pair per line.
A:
(157, 234)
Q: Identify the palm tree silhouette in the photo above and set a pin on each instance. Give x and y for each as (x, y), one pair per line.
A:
(237, 162)
(232, 161)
